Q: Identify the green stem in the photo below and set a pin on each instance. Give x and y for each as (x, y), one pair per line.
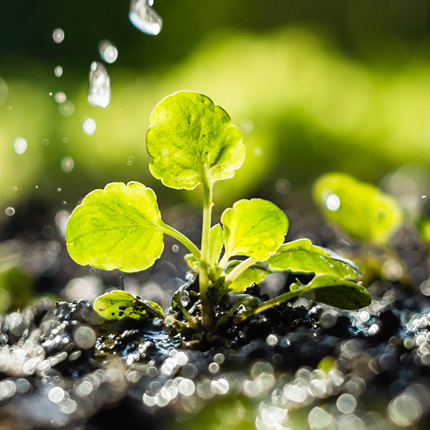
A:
(239, 269)
(183, 239)
(207, 310)
(270, 303)
(224, 260)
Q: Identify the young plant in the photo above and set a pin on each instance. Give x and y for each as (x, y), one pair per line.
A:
(193, 142)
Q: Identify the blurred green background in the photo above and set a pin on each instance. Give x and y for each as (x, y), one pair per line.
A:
(314, 85)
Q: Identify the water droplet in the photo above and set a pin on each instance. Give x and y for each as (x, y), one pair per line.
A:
(257, 151)
(20, 145)
(15, 189)
(65, 140)
(89, 126)
(332, 202)
(108, 52)
(101, 148)
(58, 71)
(10, 211)
(36, 187)
(3, 91)
(50, 93)
(59, 190)
(99, 89)
(45, 142)
(60, 97)
(58, 35)
(144, 18)
(283, 186)
(175, 248)
(67, 108)
(246, 125)
(67, 165)
(9, 108)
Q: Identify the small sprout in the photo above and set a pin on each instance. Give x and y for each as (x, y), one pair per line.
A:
(193, 142)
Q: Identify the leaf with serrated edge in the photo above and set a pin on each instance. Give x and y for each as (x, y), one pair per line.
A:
(119, 304)
(335, 291)
(118, 227)
(255, 228)
(192, 141)
(300, 256)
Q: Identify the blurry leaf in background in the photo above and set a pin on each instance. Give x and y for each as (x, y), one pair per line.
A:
(360, 209)
(16, 289)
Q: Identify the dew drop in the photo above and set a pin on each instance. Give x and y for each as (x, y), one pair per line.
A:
(175, 248)
(67, 164)
(89, 126)
(108, 51)
(99, 91)
(58, 35)
(20, 145)
(58, 71)
(9, 211)
(144, 18)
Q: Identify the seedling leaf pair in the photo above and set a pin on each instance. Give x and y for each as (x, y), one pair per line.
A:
(193, 142)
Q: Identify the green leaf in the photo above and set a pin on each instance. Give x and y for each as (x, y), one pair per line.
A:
(360, 209)
(192, 141)
(216, 242)
(118, 227)
(118, 305)
(254, 273)
(334, 291)
(300, 256)
(255, 228)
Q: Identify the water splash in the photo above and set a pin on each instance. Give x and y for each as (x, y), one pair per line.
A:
(58, 35)
(20, 145)
(89, 126)
(108, 51)
(99, 91)
(144, 17)
(58, 71)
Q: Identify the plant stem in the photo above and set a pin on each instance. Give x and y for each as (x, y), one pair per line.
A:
(183, 239)
(239, 269)
(207, 310)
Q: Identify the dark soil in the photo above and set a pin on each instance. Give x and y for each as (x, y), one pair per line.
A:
(301, 365)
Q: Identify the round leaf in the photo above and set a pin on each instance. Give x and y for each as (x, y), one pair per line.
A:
(118, 227)
(361, 209)
(300, 256)
(192, 141)
(255, 228)
(335, 291)
(119, 304)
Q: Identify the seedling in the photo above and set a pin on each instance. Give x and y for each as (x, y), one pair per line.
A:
(193, 142)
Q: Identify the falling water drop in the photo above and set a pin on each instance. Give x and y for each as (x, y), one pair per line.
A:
(60, 97)
(67, 164)
(10, 211)
(20, 145)
(58, 35)
(144, 18)
(332, 202)
(99, 88)
(108, 52)
(89, 126)
(58, 71)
